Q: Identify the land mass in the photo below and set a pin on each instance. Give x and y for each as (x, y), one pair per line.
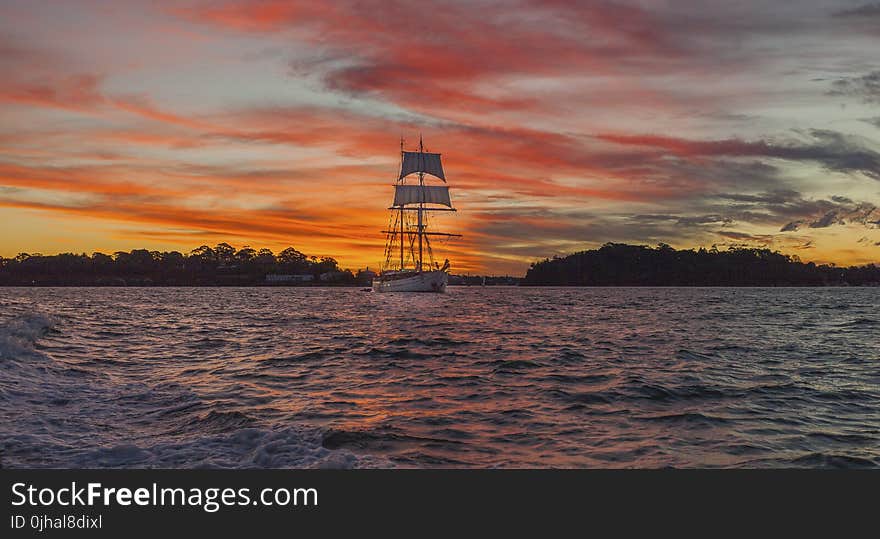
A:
(613, 264)
(221, 265)
(616, 264)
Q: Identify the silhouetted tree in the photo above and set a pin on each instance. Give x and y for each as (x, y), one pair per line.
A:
(225, 253)
(265, 257)
(205, 254)
(245, 254)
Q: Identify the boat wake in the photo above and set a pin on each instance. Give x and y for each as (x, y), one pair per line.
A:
(58, 414)
(282, 447)
(19, 334)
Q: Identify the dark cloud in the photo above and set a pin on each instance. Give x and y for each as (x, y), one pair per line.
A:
(836, 151)
(760, 239)
(765, 209)
(704, 220)
(780, 196)
(833, 150)
(697, 220)
(654, 217)
(838, 210)
(865, 10)
(768, 209)
(830, 218)
(865, 87)
(732, 234)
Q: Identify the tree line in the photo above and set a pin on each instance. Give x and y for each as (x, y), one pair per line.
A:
(613, 264)
(617, 264)
(222, 264)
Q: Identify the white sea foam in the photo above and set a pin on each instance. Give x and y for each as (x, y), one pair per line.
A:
(19, 333)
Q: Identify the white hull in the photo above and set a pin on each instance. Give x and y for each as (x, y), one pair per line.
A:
(426, 281)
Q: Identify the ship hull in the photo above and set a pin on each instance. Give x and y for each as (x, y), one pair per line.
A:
(426, 281)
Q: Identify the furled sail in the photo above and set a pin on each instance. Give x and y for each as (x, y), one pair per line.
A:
(422, 162)
(415, 194)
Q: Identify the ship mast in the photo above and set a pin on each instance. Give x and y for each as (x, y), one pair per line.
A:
(421, 204)
(400, 181)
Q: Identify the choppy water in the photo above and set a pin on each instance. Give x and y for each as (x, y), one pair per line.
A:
(506, 377)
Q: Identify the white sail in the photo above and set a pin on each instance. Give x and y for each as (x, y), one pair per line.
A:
(418, 194)
(421, 162)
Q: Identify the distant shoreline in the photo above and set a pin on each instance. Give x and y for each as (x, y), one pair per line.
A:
(612, 265)
(220, 266)
(619, 264)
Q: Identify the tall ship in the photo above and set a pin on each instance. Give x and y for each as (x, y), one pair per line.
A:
(409, 264)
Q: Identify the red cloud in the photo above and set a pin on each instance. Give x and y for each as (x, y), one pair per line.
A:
(454, 57)
(75, 93)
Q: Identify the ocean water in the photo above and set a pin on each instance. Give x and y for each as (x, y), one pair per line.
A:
(477, 377)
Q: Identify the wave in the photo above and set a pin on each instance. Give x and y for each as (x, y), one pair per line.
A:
(338, 438)
(433, 341)
(695, 418)
(843, 438)
(283, 447)
(584, 398)
(26, 372)
(513, 366)
(585, 379)
(215, 421)
(437, 450)
(688, 355)
(661, 393)
(830, 460)
(19, 334)
(861, 322)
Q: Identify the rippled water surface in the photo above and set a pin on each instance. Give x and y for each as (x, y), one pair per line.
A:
(485, 377)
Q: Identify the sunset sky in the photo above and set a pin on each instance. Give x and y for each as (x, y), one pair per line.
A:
(563, 125)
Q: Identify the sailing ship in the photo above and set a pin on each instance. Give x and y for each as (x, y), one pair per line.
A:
(409, 260)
